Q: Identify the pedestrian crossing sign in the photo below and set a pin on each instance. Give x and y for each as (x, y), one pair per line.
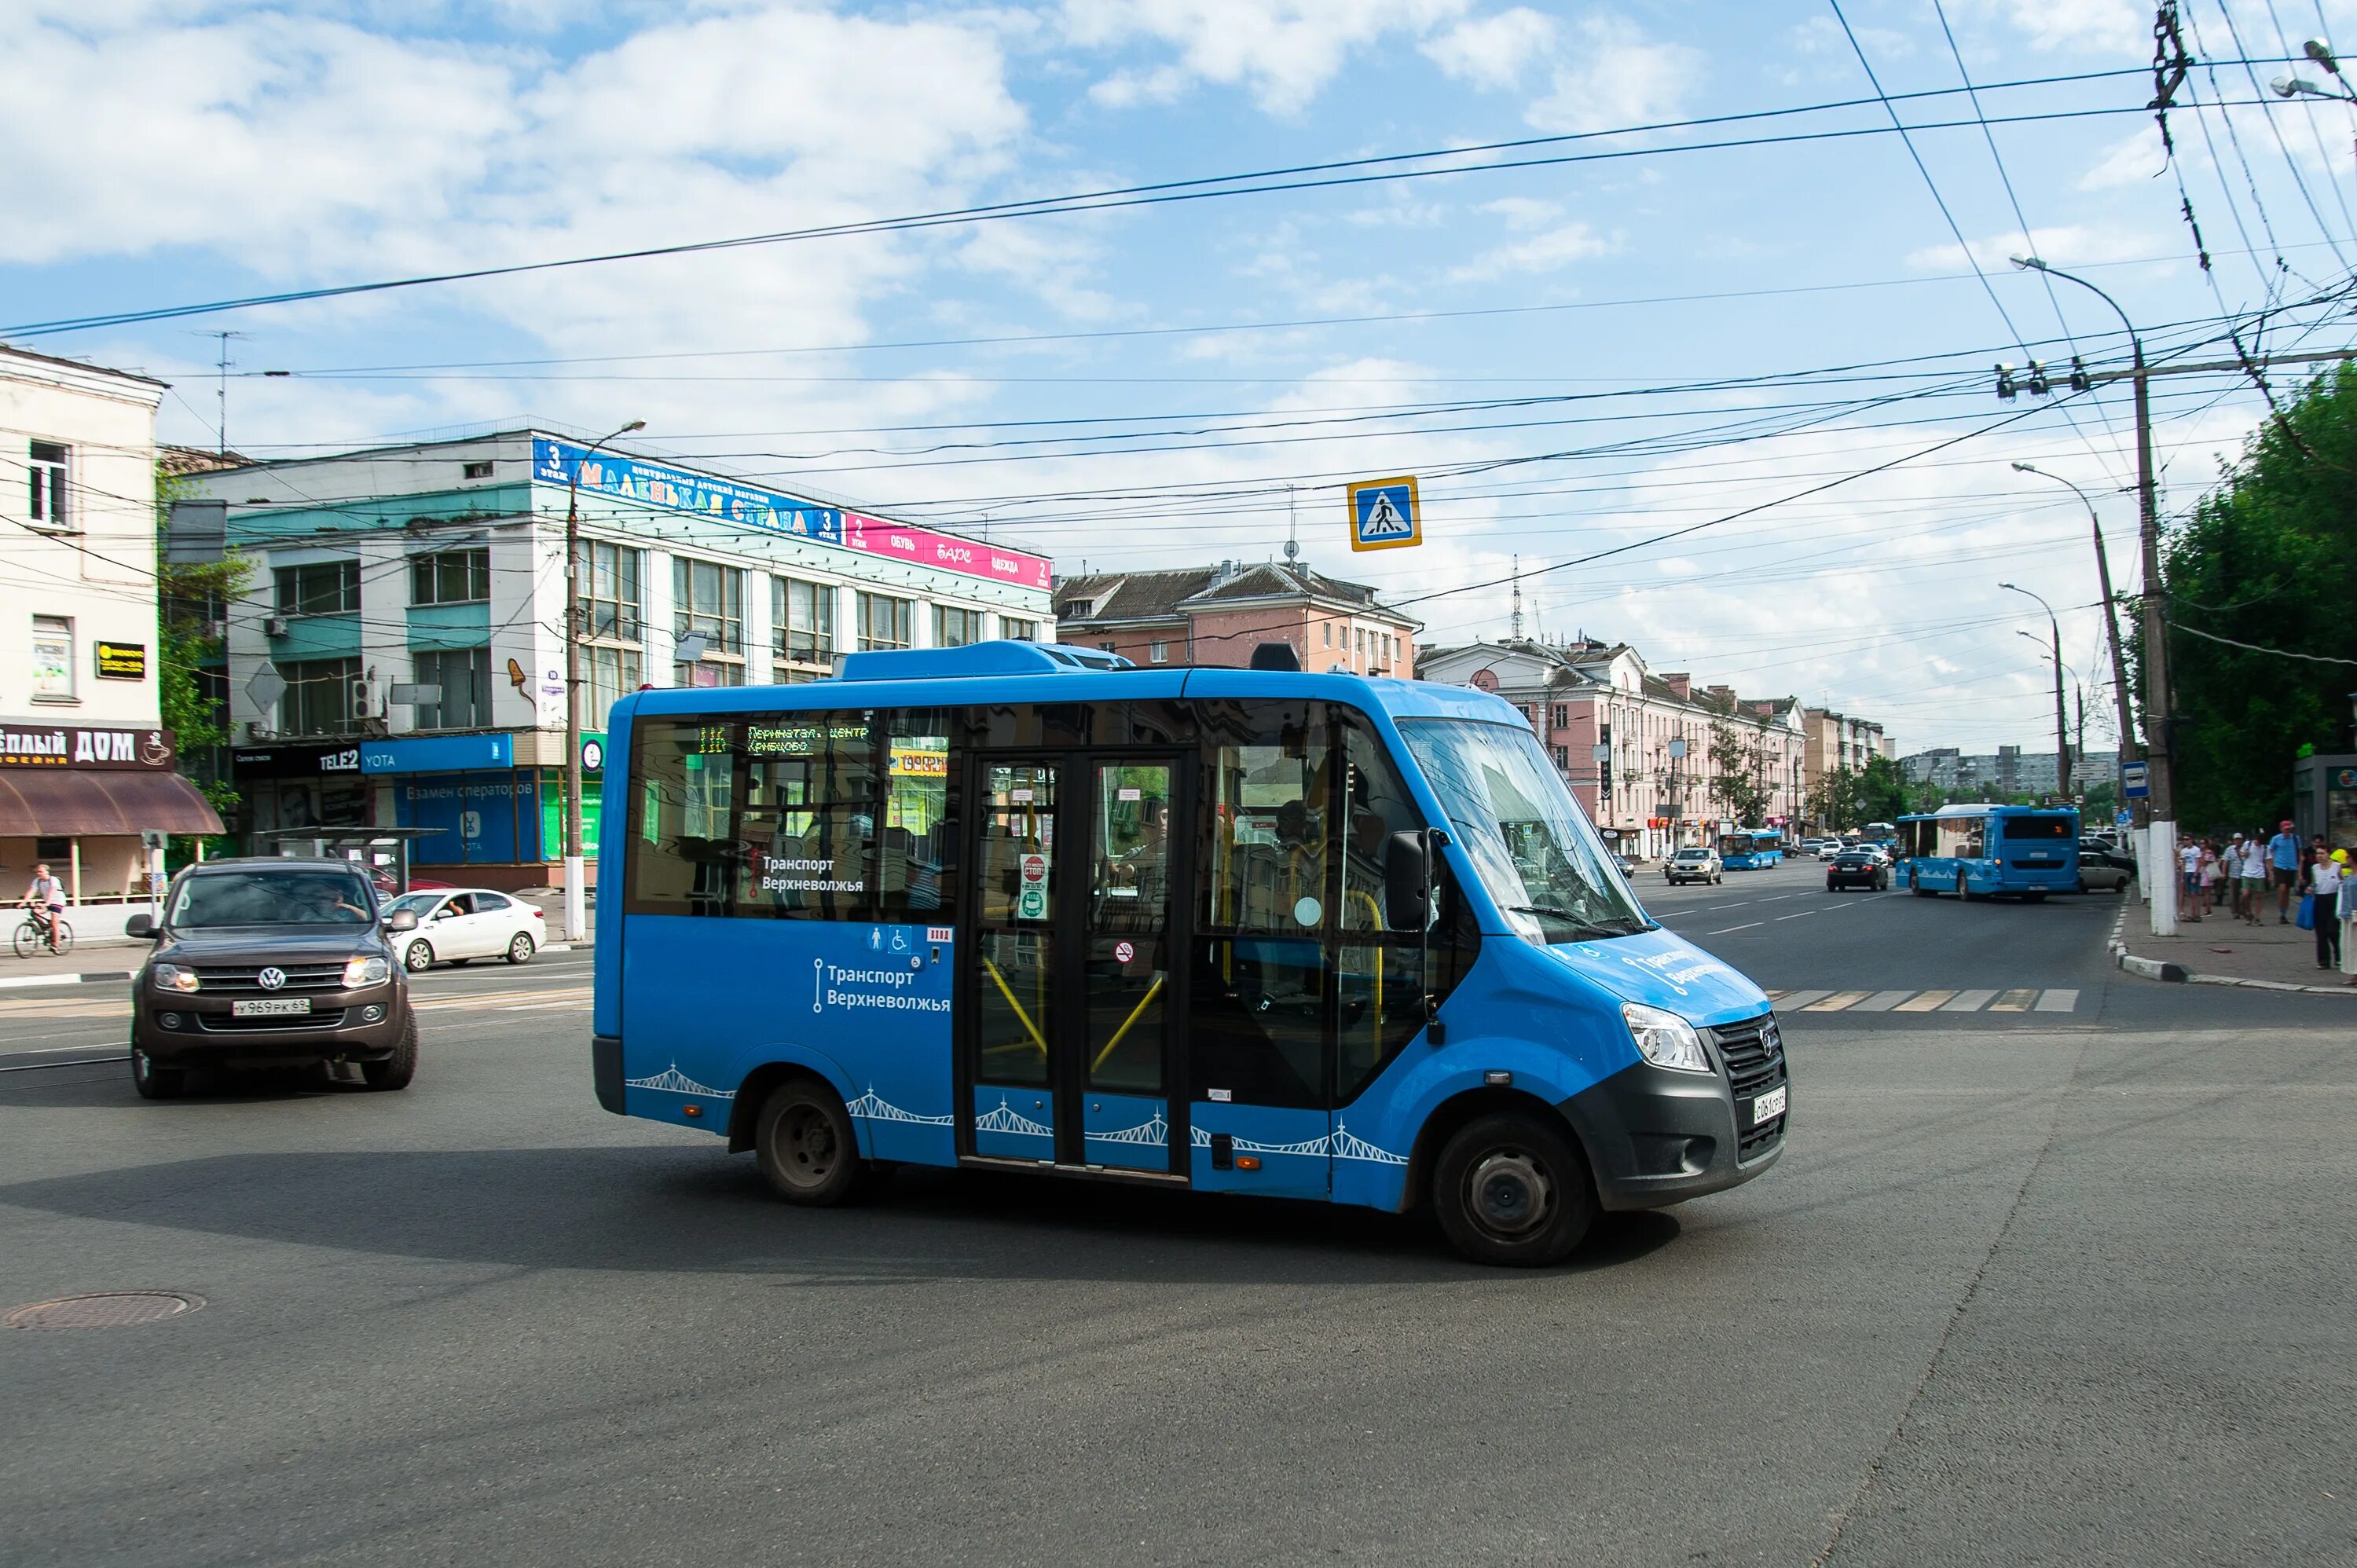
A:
(1384, 514)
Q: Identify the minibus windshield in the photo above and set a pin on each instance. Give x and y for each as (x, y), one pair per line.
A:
(1524, 833)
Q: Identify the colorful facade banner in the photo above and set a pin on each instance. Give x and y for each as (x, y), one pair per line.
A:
(606, 473)
(923, 547)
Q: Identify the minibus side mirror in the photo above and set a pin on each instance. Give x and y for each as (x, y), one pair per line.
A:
(1407, 883)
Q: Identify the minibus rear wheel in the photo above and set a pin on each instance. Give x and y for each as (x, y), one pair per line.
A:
(804, 1144)
(1511, 1189)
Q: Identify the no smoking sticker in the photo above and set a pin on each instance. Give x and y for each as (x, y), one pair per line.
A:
(1123, 952)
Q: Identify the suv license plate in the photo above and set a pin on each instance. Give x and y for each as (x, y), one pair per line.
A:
(1769, 1106)
(270, 1007)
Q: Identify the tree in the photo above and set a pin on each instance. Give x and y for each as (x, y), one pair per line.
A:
(191, 599)
(2268, 559)
(1881, 791)
(1832, 800)
(1738, 774)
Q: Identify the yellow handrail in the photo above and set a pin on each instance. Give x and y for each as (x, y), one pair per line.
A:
(1374, 923)
(1028, 1027)
(1134, 1013)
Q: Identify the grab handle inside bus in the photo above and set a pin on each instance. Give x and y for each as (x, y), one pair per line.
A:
(1421, 885)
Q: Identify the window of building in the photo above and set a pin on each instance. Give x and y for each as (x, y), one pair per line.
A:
(1330, 634)
(476, 470)
(450, 577)
(884, 621)
(48, 484)
(1363, 642)
(318, 588)
(709, 598)
(1562, 758)
(611, 601)
(319, 699)
(802, 627)
(1563, 716)
(612, 673)
(53, 659)
(1015, 630)
(1158, 652)
(956, 628)
(465, 676)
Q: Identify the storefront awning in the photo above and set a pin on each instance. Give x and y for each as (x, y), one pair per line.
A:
(74, 803)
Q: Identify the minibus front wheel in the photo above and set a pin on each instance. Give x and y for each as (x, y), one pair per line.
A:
(805, 1147)
(1510, 1189)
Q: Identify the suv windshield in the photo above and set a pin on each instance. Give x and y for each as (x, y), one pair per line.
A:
(272, 899)
(1524, 833)
(1694, 855)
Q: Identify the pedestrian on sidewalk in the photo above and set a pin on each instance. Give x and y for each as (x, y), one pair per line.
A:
(2230, 867)
(2190, 856)
(2255, 879)
(2213, 876)
(2283, 869)
(2347, 912)
(2324, 878)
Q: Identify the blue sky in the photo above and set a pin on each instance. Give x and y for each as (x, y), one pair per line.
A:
(180, 151)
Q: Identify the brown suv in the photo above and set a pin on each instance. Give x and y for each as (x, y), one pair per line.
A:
(265, 964)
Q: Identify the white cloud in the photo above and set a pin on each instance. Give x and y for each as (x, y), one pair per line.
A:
(1546, 252)
(2132, 160)
(1494, 52)
(1282, 51)
(2122, 27)
(1614, 76)
(2069, 245)
(1524, 211)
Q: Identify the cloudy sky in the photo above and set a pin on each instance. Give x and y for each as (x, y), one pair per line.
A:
(1625, 334)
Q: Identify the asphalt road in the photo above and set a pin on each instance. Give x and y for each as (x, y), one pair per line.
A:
(2032, 1285)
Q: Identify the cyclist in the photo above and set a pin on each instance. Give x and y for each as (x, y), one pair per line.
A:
(47, 898)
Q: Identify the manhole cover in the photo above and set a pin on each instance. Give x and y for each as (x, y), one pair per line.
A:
(114, 1309)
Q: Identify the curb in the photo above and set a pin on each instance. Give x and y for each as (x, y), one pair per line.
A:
(2156, 969)
(101, 977)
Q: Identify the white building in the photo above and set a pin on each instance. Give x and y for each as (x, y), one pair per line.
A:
(85, 765)
(413, 601)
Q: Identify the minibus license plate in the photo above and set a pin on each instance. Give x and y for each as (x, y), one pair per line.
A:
(1769, 1106)
(270, 1007)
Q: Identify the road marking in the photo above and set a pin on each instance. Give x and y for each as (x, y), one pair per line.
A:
(1923, 1002)
(1745, 926)
(579, 1006)
(2014, 1002)
(1793, 1001)
(2058, 1002)
(1838, 1001)
(1969, 1001)
(1882, 1001)
(1801, 915)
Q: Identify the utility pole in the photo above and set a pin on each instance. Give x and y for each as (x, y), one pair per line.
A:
(220, 389)
(2061, 723)
(2129, 750)
(576, 901)
(2160, 855)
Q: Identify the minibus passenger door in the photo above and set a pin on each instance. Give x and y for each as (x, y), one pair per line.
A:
(1019, 876)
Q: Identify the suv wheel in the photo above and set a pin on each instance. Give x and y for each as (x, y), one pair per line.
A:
(397, 1069)
(154, 1083)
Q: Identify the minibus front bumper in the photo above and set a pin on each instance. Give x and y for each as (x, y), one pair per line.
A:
(1656, 1136)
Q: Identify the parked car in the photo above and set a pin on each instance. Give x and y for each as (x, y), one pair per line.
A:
(268, 962)
(2103, 868)
(467, 923)
(1863, 868)
(1696, 862)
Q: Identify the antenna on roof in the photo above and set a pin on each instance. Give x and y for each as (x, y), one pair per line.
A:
(1292, 544)
(1517, 622)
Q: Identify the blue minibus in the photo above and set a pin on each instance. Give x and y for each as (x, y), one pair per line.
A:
(1751, 849)
(1016, 906)
(1984, 851)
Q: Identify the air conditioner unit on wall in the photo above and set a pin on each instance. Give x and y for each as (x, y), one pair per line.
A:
(274, 625)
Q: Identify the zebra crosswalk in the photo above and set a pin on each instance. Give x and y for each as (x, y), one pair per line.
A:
(2026, 999)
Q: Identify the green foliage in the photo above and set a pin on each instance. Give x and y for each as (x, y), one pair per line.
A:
(1739, 779)
(189, 598)
(1849, 798)
(2267, 558)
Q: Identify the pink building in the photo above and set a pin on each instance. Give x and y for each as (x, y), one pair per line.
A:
(1217, 615)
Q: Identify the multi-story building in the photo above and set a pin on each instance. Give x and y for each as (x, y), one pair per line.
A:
(2006, 772)
(408, 617)
(85, 763)
(1217, 615)
(1637, 747)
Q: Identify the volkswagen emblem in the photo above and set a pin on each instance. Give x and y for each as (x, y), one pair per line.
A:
(271, 979)
(1773, 1039)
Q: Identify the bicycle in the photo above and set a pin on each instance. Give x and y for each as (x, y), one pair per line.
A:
(33, 934)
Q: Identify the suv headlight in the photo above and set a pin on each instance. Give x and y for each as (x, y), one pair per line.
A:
(172, 977)
(1664, 1039)
(360, 971)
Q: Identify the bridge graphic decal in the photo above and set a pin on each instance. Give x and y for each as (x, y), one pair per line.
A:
(1340, 1144)
(1154, 1132)
(869, 1107)
(672, 1081)
(1007, 1120)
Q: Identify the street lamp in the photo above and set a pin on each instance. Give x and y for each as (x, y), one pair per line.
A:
(2161, 887)
(2128, 750)
(2300, 87)
(2062, 719)
(576, 911)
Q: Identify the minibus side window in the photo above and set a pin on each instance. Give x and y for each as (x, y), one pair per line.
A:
(808, 820)
(683, 851)
(920, 841)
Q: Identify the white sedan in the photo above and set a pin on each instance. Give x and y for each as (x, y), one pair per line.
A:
(460, 924)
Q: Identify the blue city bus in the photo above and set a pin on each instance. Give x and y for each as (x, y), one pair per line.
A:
(1021, 907)
(1985, 851)
(1751, 849)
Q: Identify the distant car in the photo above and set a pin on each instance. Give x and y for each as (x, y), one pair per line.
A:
(467, 923)
(1828, 848)
(2102, 869)
(1627, 862)
(1812, 845)
(1696, 863)
(1861, 867)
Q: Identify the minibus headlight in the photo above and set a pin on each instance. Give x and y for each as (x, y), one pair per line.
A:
(1664, 1039)
(172, 977)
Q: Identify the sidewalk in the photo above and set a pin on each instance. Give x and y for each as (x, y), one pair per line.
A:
(2222, 950)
